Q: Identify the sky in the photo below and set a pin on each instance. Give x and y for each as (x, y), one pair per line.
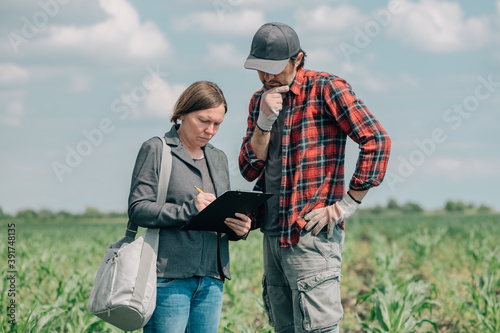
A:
(84, 83)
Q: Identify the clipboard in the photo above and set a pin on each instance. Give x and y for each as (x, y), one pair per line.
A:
(230, 202)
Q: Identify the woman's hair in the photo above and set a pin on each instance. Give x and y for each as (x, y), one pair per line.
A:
(200, 95)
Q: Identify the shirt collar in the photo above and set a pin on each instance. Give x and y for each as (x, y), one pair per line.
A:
(297, 82)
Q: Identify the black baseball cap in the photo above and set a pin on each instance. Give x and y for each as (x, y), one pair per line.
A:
(272, 47)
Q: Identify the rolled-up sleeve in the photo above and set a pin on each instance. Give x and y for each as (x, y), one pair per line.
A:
(361, 126)
(250, 166)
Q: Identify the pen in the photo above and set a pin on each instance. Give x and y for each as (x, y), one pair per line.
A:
(198, 189)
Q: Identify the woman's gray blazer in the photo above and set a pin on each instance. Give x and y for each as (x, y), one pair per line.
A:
(179, 252)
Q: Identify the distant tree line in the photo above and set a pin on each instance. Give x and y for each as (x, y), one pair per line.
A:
(46, 215)
(92, 213)
(452, 207)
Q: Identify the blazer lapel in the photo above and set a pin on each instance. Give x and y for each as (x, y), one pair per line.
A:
(174, 142)
(215, 167)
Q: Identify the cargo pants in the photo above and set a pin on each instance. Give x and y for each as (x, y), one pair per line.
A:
(301, 284)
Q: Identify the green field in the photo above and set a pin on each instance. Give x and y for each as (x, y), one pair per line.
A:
(401, 273)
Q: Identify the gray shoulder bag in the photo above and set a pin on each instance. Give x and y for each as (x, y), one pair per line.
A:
(124, 290)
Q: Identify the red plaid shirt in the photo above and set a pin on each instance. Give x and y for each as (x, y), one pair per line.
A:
(321, 111)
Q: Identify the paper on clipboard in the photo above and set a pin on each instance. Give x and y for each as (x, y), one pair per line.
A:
(230, 202)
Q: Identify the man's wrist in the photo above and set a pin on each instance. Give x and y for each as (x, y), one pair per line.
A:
(353, 198)
(263, 130)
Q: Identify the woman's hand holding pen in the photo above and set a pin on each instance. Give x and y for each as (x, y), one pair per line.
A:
(240, 224)
(203, 199)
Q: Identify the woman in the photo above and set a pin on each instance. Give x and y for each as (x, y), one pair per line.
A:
(192, 265)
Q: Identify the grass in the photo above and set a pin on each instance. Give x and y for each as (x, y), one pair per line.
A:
(401, 273)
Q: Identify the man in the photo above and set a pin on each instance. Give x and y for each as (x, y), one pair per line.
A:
(295, 147)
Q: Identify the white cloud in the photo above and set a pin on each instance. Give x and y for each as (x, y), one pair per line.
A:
(13, 114)
(374, 84)
(438, 26)
(79, 83)
(225, 6)
(360, 75)
(446, 165)
(12, 74)
(368, 77)
(322, 59)
(331, 19)
(241, 23)
(160, 101)
(225, 55)
(495, 100)
(462, 169)
(121, 36)
(410, 82)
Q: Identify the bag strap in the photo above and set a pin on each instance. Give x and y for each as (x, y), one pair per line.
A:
(161, 196)
(147, 268)
(165, 170)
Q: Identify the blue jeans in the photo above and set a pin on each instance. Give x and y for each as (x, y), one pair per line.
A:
(187, 305)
